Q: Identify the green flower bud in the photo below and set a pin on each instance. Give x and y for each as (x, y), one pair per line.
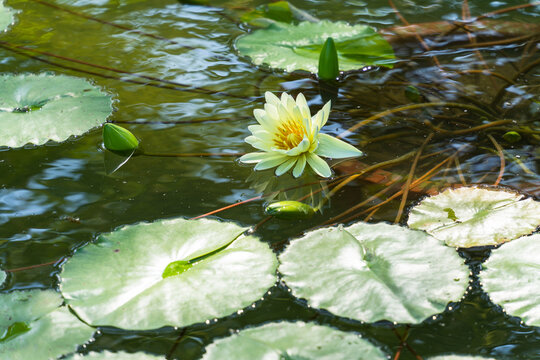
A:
(290, 210)
(512, 137)
(328, 61)
(118, 139)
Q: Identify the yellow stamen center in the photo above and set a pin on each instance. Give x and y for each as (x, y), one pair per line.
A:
(289, 135)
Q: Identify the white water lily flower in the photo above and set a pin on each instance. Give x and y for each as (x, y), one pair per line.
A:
(290, 137)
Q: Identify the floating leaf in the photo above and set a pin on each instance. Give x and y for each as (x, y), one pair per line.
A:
(297, 47)
(472, 216)
(510, 277)
(6, 16)
(2, 277)
(458, 357)
(33, 326)
(116, 138)
(373, 272)
(127, 278)
(328, 61)
(121, 355)
(38, 108)
(290, 210)
(279, 11)
(286, 340)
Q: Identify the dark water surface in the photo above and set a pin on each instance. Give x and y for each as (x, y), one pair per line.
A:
(57, 197)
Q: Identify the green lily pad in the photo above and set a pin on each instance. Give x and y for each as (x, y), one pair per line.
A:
(3, 277)
(458, 357)
(6, 16)
(38, 108)
(374, 272)
(297, 47)
(510, 277)
(299, 340)
(33, 326)
(472, 216)
(121, 355)
(171, 272)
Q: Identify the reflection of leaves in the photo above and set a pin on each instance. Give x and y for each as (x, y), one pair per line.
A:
(297, 47)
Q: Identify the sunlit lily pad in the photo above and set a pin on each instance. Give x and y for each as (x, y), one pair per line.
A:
(458, 357)
(33, 326)
(297, 47)
(511, 278)
(6, 16)
(121, 355)
(472, 216)
(170, 272)
(38, 108)
(285, 340)
(373, 272)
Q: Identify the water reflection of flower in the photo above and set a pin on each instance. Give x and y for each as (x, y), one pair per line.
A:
(289, 138)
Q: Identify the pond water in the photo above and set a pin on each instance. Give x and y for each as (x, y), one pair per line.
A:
(57, 197)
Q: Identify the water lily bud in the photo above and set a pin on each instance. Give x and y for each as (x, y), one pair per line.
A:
(290, 210)
(328, 61)
(512, 137)
(117, 138)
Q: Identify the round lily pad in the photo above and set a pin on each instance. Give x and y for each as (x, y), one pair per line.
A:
(373, 272)
(510, 277)
(473, 216)
(6, 16)
(38, 108)
(121, 355)
(171, 272)
(297, 47)
(458, 357)
(299, 340)
(33, 326)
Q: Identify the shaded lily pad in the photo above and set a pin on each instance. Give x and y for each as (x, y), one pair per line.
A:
(373, 272)
(472, 216)
(6, 16)
(38, 108)
(299, 340)
(33, 326)
(510, 277)
(171, 272)
(297, 47)
(121, 355)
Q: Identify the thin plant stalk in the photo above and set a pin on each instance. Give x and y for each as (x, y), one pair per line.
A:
(410, 177)
(501, 157)
(460, 173)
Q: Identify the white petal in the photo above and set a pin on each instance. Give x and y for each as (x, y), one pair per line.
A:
(283, 168)
(271, 161)
(271, 98)
(319, 165)
(263, 119)
(255, 128)
(272, 113)
(331, 147)
(253, 157)
(302, 147)
(300, 165)
(303, 106)
(258, 143)
(323, 114)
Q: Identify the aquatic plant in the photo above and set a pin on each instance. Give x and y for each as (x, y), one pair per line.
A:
(290, 137)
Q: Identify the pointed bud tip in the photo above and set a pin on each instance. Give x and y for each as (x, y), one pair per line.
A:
(116, 138)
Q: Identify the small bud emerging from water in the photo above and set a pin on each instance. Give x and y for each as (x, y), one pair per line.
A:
(512, 137)
(117, 138)
(290, 210)
(328, 61)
